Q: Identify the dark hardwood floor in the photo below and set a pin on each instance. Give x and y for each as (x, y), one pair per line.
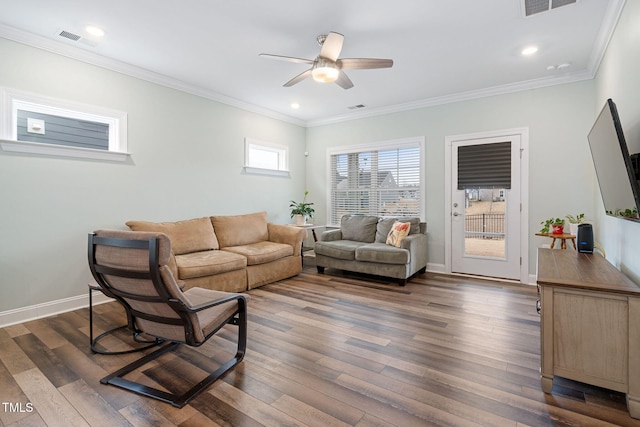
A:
(323, 350)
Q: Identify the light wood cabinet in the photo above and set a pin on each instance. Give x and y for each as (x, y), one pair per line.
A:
(590, 323)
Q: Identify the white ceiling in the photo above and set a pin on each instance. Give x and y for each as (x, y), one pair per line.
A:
(442, 50)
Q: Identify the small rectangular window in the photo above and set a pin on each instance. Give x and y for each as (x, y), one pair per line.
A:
(266, 158)
(37, 124)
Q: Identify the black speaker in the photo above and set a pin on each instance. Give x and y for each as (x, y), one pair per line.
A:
(585, 238)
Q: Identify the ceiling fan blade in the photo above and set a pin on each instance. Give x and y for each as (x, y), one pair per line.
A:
(332, 46)
(344, 81)
(297, 79)
(363, 63)
(287, 58)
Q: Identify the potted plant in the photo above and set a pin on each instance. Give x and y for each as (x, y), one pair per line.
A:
(553, 225)
(301, 211)
(574, 221)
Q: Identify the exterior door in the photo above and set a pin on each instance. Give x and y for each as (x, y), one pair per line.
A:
(486, 207)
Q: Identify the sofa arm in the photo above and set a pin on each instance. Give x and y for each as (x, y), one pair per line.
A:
(416, 244)
(330, 235)
(293, 236)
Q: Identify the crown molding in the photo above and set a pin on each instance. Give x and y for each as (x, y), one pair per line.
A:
(597, 54)
(458, 97)
(92, 58)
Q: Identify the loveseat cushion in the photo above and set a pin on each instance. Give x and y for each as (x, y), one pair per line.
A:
(341, 249)
(360, 228)
(192, 235)
(261, 252)
(208, 263)
(238, 230)
(384, 227)
(383, 254)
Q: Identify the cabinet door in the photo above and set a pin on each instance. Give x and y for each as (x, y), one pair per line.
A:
(591, 338)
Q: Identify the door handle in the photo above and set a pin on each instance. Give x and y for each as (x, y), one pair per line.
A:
(456, 214)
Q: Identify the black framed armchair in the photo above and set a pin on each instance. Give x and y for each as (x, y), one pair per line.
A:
(132, 267)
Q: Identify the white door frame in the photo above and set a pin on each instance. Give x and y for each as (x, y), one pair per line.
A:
(524, 192)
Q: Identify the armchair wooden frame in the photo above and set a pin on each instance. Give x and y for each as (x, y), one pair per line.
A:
(181, 315)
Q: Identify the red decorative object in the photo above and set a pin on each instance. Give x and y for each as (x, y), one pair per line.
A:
(557, 229)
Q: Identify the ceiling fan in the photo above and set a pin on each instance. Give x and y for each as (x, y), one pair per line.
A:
(327, 67)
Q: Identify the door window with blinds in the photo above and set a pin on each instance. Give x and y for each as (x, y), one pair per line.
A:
(384, 179)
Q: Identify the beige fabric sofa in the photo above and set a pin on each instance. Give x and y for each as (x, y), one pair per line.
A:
(230, 253)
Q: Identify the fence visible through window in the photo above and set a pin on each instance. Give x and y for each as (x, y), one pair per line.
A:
(484, 226)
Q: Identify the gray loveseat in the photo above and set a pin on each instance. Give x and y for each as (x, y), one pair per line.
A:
(359, 246)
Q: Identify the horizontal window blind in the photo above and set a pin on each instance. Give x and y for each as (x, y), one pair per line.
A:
(484, 166)
(385, 182)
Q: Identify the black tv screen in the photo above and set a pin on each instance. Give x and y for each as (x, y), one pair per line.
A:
(614, 170)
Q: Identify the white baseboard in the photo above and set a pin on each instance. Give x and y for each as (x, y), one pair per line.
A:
(38, 311)
(436, 268)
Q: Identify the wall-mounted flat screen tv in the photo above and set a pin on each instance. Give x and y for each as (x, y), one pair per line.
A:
(614, 168)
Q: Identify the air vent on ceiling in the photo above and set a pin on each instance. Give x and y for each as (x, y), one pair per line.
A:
(76, 38)
(356, 107)
(69, 35)
(531, 7)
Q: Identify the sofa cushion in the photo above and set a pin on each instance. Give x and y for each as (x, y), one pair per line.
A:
(382, 253)
(208, 263)
(261, 252)
(341, 249)
(238, 230)
(399, 230)
(187, 236)
(384, 226)
(360, 228)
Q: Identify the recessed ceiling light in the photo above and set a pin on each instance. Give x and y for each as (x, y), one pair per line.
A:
(94, 31)
(530, 50)
(295, 105)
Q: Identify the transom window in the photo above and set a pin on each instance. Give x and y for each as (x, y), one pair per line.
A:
(37, 124)
(384, 179)
(266, 158)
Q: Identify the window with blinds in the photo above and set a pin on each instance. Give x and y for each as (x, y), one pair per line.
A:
(484, 166)
(384, 180)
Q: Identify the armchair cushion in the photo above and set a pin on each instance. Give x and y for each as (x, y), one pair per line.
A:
(187, 236)
(238, 230)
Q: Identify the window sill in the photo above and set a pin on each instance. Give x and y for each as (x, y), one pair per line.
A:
(61, 151)
(259, 171)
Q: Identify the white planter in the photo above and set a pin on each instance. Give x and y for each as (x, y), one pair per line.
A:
(573, 229)
(299, 219)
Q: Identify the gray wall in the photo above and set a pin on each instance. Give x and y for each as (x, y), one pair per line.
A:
(178, 170)
(560, 168)
(187, 155)
(618, 79)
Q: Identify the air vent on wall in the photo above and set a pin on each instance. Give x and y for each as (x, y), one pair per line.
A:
(531, 7)
(356, 107)
(71, 36)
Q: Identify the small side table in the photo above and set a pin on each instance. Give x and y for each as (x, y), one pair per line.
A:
(311, 227)
(562, 237)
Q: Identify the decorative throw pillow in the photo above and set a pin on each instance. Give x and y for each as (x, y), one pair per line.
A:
(399, 230)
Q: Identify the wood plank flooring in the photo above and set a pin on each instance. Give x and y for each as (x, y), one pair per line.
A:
(323, 350)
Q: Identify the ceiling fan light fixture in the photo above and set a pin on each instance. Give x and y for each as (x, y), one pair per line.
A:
(325, 71)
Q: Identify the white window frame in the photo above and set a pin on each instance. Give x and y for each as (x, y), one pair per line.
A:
(282, 151)
(12, 100)
(378, 146)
